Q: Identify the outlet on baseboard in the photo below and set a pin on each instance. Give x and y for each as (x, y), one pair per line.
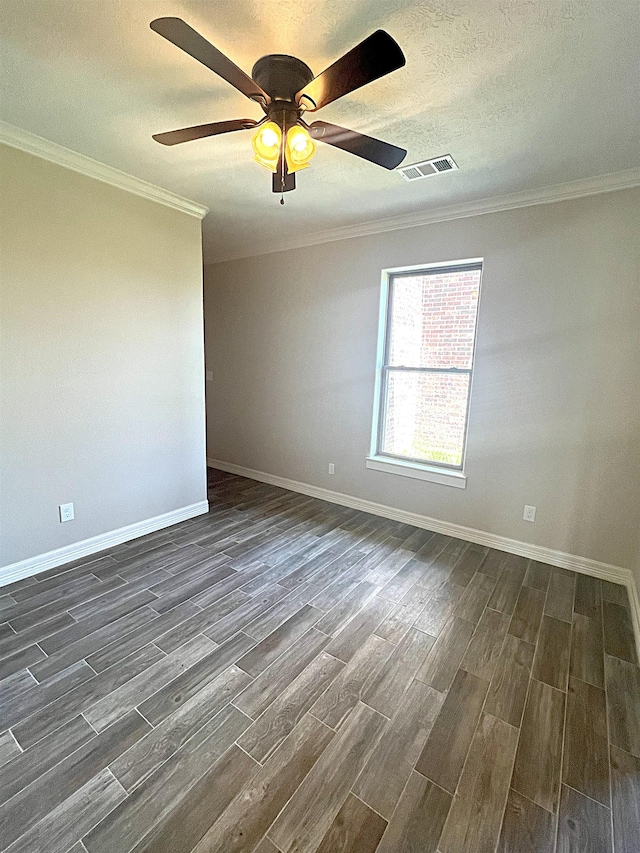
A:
(529, 513)
(332, 468)
(66, 512)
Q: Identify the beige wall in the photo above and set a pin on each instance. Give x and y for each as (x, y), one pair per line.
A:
(291, 338)
(101, 357)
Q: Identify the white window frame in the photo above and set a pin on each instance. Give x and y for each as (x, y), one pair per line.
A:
(377, 460)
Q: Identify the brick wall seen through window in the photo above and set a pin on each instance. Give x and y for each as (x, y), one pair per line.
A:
(428, 362)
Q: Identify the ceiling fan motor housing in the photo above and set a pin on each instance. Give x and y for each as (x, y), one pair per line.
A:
(281, 77)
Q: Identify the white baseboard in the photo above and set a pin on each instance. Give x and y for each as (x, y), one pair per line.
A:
(584, 565)
(33, 565)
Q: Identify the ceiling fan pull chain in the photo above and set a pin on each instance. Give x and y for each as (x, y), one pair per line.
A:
(284, 124)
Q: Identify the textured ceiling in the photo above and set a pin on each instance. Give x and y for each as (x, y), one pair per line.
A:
(522, 93)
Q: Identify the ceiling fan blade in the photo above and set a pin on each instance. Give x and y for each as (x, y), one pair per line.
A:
(186, 134)
(186, 38)
(375, 150)
(372, 58)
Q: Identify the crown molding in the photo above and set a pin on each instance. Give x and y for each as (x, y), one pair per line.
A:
(15, 137)
(528, 198)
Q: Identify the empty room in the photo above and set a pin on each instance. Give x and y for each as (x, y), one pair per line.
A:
(319, 426)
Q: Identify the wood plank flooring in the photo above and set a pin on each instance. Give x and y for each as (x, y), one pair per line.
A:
(283, 675)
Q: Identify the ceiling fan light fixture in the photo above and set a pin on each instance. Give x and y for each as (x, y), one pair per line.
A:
(266, 145)
(286, 88)
(299, 148)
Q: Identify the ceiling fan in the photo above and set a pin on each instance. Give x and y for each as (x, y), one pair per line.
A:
(286, 89)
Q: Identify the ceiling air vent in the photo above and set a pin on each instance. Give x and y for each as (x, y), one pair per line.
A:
(428, 167)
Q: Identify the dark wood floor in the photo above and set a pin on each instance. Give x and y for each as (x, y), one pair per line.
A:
(286, 675)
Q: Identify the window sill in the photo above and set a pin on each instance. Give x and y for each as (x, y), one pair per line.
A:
(431, 473)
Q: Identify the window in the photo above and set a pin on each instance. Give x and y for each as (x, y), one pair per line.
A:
(425, 365)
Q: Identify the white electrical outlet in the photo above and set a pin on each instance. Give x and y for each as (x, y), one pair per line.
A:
(66, 512)
(529, 513)
(209, 375)
(332, 468)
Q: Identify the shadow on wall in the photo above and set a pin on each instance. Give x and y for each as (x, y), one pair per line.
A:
(564, 430)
